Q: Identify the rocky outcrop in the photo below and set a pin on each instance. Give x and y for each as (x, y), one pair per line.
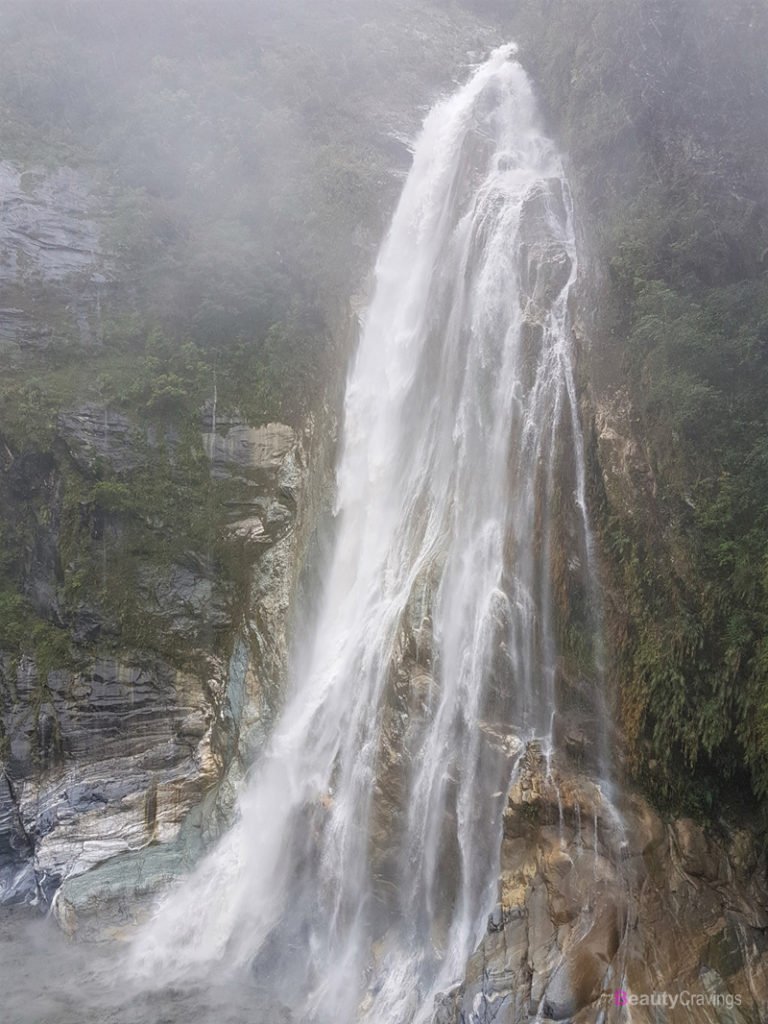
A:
(54, 270)
(123, 745)
(606, 912)
(47, 226)
(264, 461)
(100, 761)
(231, 445)
(116, 770)
(241, 696)
(97, 435)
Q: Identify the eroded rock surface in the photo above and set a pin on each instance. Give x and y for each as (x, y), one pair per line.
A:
(54, 270)
(102, 761)
(597, 898)
(115, 772)
(97, 434)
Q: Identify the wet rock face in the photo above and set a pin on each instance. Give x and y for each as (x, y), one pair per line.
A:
(546, 264)
(51, 254)
(236, 703)
(99, 762)
(116, 769)
(46, 227)
(232, 445)
(96, 434)
(263, 462)
(596, 899)
(113, 773)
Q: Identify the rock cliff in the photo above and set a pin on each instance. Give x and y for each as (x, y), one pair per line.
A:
(140, 670)
(111, 756)
(607, 912)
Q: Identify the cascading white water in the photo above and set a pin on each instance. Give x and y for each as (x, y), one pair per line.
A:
(358, 877)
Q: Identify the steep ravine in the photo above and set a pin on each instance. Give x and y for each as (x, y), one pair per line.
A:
(661, 108)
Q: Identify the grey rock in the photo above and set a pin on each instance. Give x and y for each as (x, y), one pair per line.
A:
(96, 434)
(17, 877)
(18, 327)
(251, 530)
(86, 624)
(595, 897)
(560, 1002)
(53, 270)
(188, 601)
(113, 760)
(235, 448)
(45, 227)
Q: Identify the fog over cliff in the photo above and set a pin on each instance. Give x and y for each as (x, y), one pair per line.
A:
(383, 511)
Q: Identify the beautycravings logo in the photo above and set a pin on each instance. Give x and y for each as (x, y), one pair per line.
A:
(670, 1000)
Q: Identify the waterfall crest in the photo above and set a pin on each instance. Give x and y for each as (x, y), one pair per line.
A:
(360, 873)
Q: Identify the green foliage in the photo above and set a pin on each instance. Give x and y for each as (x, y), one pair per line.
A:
(662, 109)
(23, 632)
(113, 497)
(14, 615)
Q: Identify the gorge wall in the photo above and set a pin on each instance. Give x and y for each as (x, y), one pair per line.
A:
(595, 903)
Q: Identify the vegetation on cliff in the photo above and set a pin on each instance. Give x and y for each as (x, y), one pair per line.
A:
(238, 160)
(662, 107)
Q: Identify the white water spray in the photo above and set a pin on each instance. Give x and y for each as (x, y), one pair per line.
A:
(358, 877)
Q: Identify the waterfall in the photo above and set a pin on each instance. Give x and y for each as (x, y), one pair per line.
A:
(359, 875)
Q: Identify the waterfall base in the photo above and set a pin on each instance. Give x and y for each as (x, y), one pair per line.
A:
(597, 905)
